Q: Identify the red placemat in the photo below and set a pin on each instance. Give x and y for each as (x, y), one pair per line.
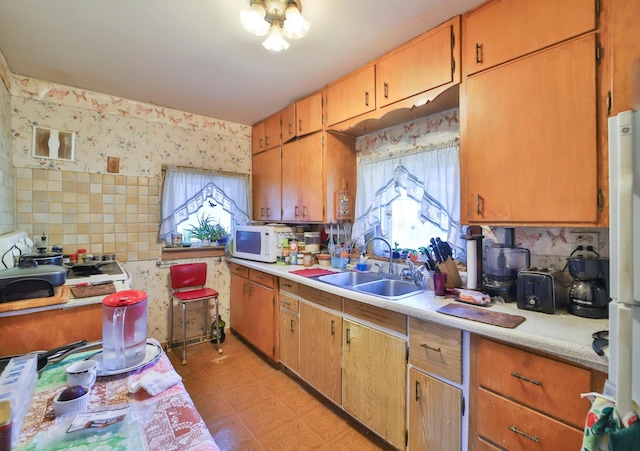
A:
(482, 315)
(312, 272)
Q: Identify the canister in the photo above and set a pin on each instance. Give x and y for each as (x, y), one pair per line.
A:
(307, 259)
(312, 241)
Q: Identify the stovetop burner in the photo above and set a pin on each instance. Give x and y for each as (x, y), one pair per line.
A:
(95, 272)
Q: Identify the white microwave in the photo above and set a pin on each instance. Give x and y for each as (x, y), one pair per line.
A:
(261, 243)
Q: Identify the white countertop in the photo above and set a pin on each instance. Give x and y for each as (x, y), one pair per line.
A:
(560, 334)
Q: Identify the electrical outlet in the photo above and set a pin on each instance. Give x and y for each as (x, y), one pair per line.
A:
(584, 239)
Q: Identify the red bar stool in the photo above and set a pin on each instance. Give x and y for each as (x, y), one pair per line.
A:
(187, 284)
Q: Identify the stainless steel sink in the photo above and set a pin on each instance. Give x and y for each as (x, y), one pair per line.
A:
(373, 284)
(389, 288)
(349, 279)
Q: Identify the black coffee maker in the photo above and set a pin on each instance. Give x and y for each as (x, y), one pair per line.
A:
(589, 292)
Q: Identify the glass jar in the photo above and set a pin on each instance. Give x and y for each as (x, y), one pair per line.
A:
(312, 241)
(307, 259)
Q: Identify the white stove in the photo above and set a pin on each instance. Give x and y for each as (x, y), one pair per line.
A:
(95, 273)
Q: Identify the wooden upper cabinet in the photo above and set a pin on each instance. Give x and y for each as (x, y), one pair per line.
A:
(266, 133)
(266, 179)
(420, 65)
(501, 30)
(302, 117)
(303, 198)
(351, 96)
(529, 139)
(257, 137)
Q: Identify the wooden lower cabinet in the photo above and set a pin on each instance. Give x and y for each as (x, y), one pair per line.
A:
(321, 350)
(435, 409)
(289, 339)
(374, 380)
(253, 308)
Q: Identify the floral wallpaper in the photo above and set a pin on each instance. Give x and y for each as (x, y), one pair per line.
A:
(84, 204)
(549, 247)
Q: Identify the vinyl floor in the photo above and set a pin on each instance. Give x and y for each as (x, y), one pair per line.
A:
(249, 404)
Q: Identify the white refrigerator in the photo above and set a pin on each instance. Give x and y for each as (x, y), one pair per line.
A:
(624, 237)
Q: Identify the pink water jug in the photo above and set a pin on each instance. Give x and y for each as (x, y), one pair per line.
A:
(124, 329)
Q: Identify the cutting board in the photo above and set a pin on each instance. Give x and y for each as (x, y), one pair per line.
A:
(343, 203)
(482, 315)
(60, 296)
(312, 272)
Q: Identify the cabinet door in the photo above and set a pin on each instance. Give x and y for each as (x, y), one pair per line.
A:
(531, 147)
(321, 351)
(312, 178)
(272, 131)
(289, 340)
(374, 379)
(262, 318)
(309, 115)
(502, 30)
(257, 137)
(425, 64)
(302, 179)
(291, 195)
(288, 117)
(239, 304)
(266, 180)
(351, 96)
(435, 413)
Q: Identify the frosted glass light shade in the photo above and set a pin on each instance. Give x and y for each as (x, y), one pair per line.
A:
(253, 21)
(295, 26)
(275, 42)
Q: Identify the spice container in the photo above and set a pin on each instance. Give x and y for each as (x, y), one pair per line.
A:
(293, 245)
(312, 241)
(307, 259)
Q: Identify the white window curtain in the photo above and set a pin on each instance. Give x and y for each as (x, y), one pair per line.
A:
(431, 176)
(185, 190)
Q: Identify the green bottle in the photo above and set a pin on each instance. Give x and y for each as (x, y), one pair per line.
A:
(217, 330)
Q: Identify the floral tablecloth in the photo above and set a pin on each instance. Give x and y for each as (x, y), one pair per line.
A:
(167, 421)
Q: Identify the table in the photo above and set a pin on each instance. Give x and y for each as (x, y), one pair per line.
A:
(167, 421)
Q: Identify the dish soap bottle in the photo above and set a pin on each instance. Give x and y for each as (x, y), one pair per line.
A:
(217, 330)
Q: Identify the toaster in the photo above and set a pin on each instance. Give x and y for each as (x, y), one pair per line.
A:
(540, 290)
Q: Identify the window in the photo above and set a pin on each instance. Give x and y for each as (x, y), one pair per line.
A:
(410, 199)
(190, 194)
(401, 224)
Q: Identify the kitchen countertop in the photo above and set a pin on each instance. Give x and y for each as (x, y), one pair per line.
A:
(560, 334)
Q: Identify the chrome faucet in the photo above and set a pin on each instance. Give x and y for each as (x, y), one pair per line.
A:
(391, 272)
(409, 271)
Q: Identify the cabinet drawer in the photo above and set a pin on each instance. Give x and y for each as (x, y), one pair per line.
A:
(329, 300)
(542, 383)
(289, 303)
(436, 349)
(288, 286)
(382, 317)
(515, 427)
(240, 270)
(261, 277)
(483, 445)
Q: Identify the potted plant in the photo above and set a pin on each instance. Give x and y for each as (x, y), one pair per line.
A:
(202, 230)
(219, 234)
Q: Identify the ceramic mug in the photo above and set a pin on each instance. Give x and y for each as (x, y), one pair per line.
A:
(82, 373)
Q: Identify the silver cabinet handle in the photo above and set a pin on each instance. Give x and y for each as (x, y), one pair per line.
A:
(268, 212)
(478, 201)
(295, 213)
(431, 348)
(386, 90)
(292, 322)
(366, 98)
(304, 211)
(300, 125)
(348, 336)
(533, 438)
(417, 390)
(262, 212)
(333, 327)
(526, 379)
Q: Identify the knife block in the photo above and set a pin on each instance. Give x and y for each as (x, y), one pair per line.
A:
(453, 276)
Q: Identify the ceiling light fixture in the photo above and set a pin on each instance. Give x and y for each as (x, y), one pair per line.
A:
(278, 19)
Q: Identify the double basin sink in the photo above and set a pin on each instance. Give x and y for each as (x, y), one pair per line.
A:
(374, 284)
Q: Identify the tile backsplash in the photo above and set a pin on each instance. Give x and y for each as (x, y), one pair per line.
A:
(103, 213)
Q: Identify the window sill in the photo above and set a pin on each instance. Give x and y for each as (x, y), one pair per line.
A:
(177, 253)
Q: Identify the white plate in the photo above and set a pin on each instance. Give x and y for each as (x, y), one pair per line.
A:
(153, 353)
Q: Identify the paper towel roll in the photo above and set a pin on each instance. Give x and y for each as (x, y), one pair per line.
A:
(472, 261)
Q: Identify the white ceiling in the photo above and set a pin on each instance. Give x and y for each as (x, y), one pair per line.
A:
(193, 55)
